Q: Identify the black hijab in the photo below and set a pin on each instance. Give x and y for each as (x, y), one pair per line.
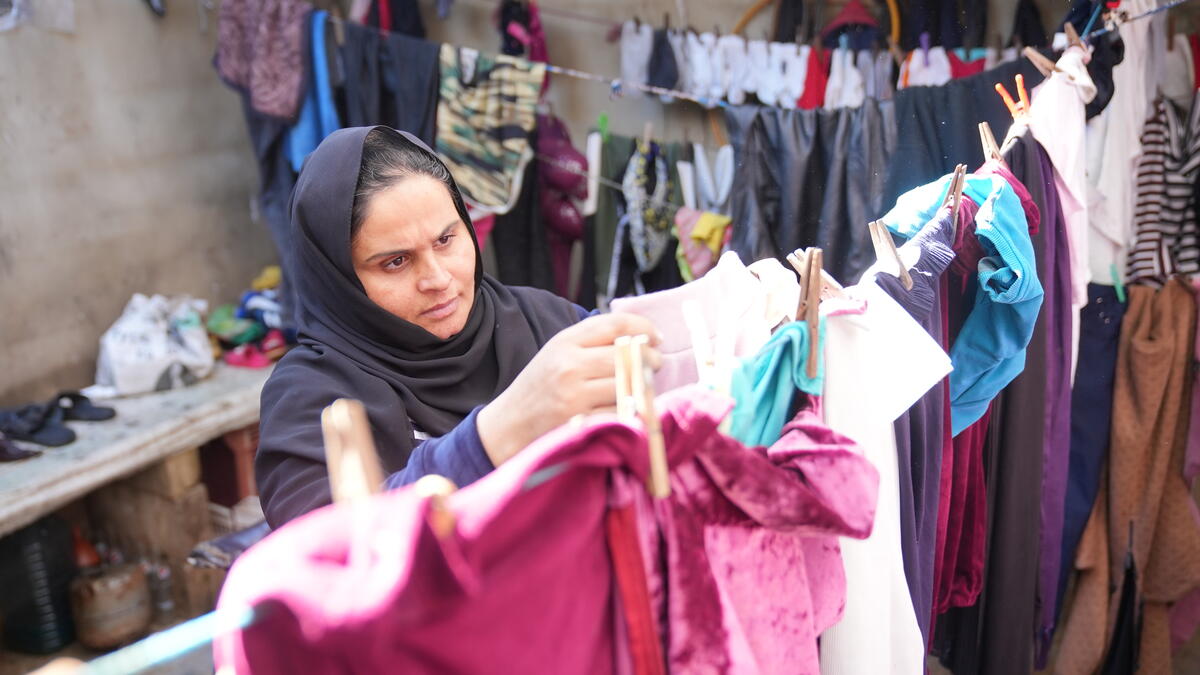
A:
(351, 347)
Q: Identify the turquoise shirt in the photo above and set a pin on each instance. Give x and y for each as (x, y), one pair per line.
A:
(763, 385)
(990, 349)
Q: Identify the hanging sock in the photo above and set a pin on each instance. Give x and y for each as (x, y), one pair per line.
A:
(735, 75)
(795, 77)
(757, 65)
(637, 40)
(772, 80)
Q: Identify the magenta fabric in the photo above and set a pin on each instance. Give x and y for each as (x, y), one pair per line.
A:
(752, 573)
(749, 538)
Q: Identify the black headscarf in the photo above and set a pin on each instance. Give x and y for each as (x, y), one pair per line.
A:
(351, 347)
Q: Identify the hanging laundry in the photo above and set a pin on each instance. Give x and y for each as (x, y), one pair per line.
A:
(486, 113)
(1165, 214)
(734, 73)
(562, 178)
(739, 309)
(318, 116)
(989, 351)
(758, 64)
(815, 81)
(565, 583)
(1144, 504)
(397, 16)
(795, 76)
(391, 80)
(963, 67)
(1033, 172)
(938, 127)
(637, 42)
(1091, 418)
(1114, 145)
(925, 69)
(662, 69)
(879, 632)
(765, 384)
(646, 187)
(919, 431)
(752, 573)
(700, 68)
(787, 160)
(702, 236)
(854, 22)
(1057, 118)
(845, 88)
(260, 52)
(1179, 78)
(876, 72)
(679, 47)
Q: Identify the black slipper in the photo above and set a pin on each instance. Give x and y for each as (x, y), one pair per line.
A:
(41, 424)
(76, 406)
(9, 452)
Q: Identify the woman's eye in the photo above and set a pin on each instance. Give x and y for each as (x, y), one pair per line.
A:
(394, 263)
(444, 239)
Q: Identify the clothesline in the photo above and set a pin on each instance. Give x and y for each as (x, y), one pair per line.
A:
(617, 84)
(603, 181)
(1143, 15)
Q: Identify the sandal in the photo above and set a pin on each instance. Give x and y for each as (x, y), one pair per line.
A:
(41, 424)
(9, 452)
(76, 406)
(247, 356)
(274, 345)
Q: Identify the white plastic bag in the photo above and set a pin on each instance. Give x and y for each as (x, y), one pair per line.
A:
(158, 343)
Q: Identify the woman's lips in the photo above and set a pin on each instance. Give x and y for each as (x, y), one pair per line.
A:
(438, 312)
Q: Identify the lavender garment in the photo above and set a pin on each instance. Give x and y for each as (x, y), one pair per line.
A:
(751, 571)
(1031, 165)
(919, 431)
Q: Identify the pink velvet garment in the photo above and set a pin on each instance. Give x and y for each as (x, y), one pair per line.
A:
(749, 537)
(524, 582)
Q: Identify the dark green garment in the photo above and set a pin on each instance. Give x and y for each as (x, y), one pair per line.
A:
(614, 159)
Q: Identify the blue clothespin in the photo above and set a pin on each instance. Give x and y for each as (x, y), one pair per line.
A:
(614, 90)
(925, 47)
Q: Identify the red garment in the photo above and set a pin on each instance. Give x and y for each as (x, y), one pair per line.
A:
(816, 80)
(1195, 40)
(960, 68)
(962, 510)
(645, 650)
(385, 16)
(525, 582)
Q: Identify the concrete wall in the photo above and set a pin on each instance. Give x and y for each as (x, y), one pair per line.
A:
(124, 167)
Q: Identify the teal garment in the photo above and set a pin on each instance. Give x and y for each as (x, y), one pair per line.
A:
(318, 114)
(763, 385)
(990, 349)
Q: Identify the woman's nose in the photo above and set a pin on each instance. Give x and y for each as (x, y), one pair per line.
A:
(434, 277)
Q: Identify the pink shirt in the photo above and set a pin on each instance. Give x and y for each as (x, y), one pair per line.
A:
(525, 583)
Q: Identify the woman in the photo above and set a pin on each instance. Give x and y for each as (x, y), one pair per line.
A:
(457, 372)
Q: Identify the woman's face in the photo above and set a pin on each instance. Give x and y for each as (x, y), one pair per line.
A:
(414, 256)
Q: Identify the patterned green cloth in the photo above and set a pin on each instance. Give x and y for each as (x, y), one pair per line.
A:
(486, 115)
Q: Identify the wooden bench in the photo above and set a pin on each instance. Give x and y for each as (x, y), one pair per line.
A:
(148, 429)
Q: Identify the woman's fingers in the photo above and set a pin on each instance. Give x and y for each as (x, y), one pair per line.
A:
(604, 329)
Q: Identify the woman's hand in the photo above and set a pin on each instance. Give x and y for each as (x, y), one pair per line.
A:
(574, 373)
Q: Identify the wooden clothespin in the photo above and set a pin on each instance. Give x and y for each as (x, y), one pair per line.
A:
(811, 309)
(1043, 64)
(1019, 110)
(954, 193)
(894, 50)
(886, 253)
(810, 267)
(988, 141)
(635, 398)
(646, 131)
(438, 489)
(1073, 35)
(339, 25)
(354, 471)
